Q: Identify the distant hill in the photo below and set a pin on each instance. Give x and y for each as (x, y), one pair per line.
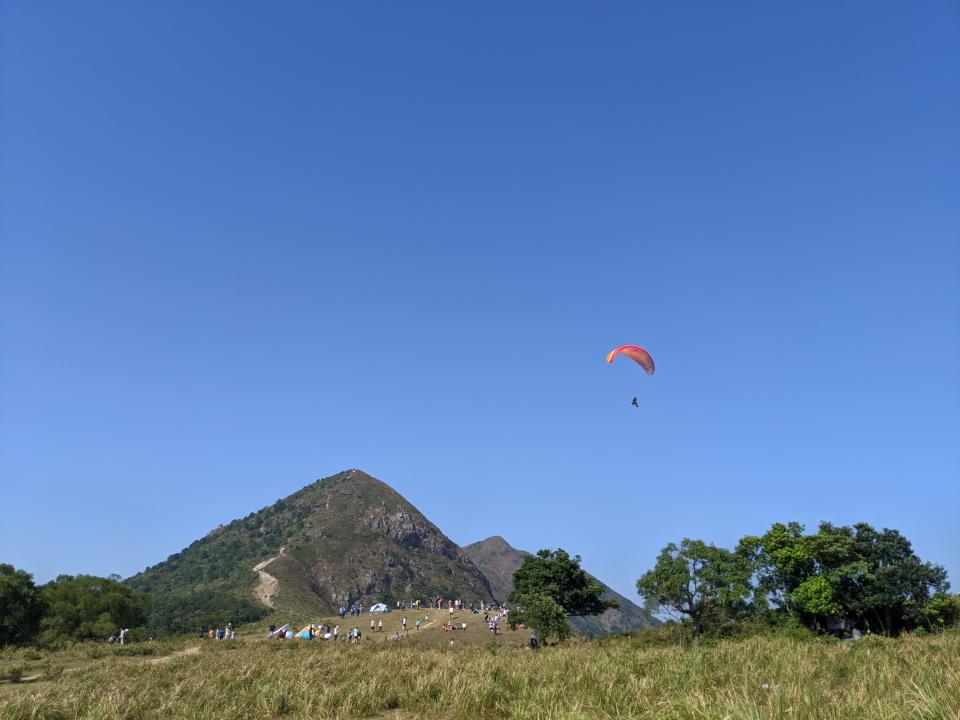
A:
(346, 539)
(498, 560)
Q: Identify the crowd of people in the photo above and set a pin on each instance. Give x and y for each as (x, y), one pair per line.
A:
(354, 610)
(493, 615)
(218, 633)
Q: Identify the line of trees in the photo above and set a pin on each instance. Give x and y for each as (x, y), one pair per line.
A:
(838, 578)
(70, 608)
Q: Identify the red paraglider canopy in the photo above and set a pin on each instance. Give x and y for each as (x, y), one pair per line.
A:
(636, 353)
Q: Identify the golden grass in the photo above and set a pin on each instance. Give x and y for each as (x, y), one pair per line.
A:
(757, 678)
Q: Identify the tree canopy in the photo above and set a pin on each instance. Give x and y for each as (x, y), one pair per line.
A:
(541, 613)
(21, 607)
(86, 607)
(857, 576)
(707, 584)
(559, 576)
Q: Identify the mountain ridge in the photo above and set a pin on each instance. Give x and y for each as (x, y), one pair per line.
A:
(347, 539)
(342, 540)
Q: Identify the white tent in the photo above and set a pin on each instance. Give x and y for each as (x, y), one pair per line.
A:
(379, 608)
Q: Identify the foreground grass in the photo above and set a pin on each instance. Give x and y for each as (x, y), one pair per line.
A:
(762, 677)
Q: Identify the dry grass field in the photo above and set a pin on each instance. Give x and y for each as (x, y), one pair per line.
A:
(757, 678)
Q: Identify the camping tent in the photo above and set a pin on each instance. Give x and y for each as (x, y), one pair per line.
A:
(379, 608)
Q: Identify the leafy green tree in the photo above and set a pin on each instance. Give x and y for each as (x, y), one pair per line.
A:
(556, 574)
(86, 607)
(21, 607)
(707, 584)
(542, 613)
(885, 582)
(869, 576)
(782, 560)
(941, 611)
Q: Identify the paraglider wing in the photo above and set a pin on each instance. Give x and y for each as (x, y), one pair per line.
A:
(637, 353)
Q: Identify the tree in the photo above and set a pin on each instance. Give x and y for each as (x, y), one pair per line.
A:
(709, 585)
(782, 560)
(879, 579)
(871, 577)
(21, 607)
(86, 607)
(541, 612)
(941, 611)
(559, 576)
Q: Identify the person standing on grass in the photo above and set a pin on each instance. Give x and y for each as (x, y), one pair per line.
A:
(404, 623)
(380, 625)
(336, 632)
(418, 624)
(373, 624)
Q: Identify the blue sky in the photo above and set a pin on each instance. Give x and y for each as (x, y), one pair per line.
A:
(247, 245)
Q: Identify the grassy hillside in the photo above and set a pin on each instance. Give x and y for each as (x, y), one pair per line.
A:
(498, 560)
(763, 678)
(345, 539)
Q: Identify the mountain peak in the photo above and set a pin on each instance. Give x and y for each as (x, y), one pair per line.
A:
(496, 542)
(342, 540)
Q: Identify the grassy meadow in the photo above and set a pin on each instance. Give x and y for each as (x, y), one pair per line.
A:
(760, 677)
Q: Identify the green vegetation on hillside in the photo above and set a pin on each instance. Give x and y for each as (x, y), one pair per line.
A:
(211, 581)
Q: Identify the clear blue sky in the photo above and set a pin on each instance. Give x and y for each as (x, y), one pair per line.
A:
(248, 245)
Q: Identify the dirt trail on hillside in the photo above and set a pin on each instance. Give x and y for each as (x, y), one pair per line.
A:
(193, 650)
(267, 586)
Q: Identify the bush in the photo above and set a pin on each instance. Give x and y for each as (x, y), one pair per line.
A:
(134, 650)
(942, 611)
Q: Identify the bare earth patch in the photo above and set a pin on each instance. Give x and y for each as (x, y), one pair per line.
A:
(267, 587)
